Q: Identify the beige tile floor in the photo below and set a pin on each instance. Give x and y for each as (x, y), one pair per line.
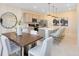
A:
(65, 51)
(67, 47)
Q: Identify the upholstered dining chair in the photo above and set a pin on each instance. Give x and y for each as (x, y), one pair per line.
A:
(8, 48)
(58, 33)
(1, 48)
(33, 32)
(42, 50)
(25, 30)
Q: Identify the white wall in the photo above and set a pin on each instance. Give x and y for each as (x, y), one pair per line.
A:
(77, 24)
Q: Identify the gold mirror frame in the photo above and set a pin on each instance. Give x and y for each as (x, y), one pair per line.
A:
(7, 17)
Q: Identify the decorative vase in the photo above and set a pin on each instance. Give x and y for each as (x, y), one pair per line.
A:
(19, 30)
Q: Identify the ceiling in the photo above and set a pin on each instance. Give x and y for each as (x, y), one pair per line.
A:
(44, 7)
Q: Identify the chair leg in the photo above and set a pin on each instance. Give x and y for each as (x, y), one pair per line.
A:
(22, 51)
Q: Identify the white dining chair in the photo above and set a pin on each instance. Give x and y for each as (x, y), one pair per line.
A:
(1, 48)
(25, 28)
(8, 48)
(33, 32)
(42, 50)
(58, 33)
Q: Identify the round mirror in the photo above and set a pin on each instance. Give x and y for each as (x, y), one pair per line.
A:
(8, 20)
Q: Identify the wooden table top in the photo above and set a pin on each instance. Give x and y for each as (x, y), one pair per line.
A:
(24, 39)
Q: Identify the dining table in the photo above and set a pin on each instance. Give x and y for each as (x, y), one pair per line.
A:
(23, 40)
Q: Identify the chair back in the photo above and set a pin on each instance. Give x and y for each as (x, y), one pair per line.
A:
(6, 45)
(25, 30)
(33, 32)
(59, 32)
(1, 48)
(46, 47)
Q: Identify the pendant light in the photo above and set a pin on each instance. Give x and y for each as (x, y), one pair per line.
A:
(49, 9)
(54, 11)
(49, 5)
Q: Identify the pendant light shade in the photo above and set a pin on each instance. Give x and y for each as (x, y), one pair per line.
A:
(49, 9)
(50, 5)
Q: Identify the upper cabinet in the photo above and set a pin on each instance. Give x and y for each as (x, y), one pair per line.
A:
(29, 16)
